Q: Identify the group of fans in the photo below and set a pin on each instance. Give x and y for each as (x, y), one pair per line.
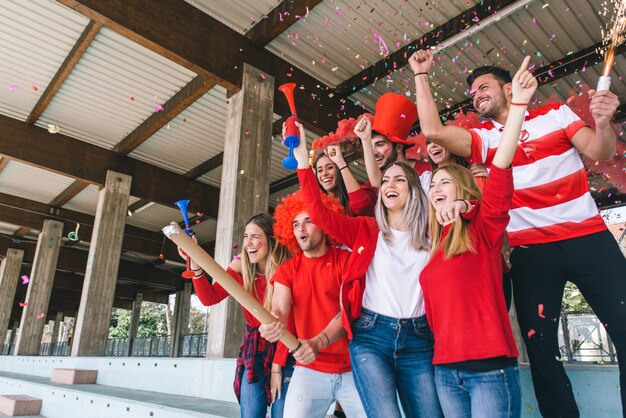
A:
(398, 290)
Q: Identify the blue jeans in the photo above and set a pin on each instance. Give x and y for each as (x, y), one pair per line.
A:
(493, 394)
(252, 399)
(393, 357)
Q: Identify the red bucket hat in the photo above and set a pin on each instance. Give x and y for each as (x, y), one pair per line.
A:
(395, 116)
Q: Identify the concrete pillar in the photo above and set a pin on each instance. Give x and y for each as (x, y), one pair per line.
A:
(244, 191)
(39, 289)
(13, 335)
(96, 302)
(181, 319)
(9, 276)
(57, 325)
(134, 323)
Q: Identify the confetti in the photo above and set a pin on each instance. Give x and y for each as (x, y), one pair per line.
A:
(360, 250)
(159, 108)
(25, 279)
(40, 315)
(531, 333)
(34, 87)
(23, 304)
(53, 129)
(13, 87)
(540, 311)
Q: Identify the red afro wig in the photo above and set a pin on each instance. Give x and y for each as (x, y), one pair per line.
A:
(344, 132)
(290, 207)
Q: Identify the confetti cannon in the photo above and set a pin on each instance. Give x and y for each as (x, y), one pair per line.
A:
(292, 138)
(182, 205)
(614, 37)
(219, 275)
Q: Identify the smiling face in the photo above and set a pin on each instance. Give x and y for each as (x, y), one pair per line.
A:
(255, 243)
(310, 237)
(327, 174)
(384, 151)
(437, 153)
(394, 189)
(489, 95)
(442, 189)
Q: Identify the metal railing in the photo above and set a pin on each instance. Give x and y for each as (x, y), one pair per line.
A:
(116, 347)
(7, 350)
(583, 338)
(157, 346)
(194, 345)
(61, 348)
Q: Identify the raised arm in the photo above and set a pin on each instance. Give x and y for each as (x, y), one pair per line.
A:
(524, 85)
(598, 145)
(457, 140)
(334, 153)
(363, 130)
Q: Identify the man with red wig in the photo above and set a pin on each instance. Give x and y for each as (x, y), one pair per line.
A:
(306, 298)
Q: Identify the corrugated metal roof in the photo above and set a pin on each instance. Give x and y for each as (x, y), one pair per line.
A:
(504, 43)
(32, 183)
(345, 37)
(86, 201)
(155, 217)
(206, 230)
(114, 87)
(193, 137)
(240, 15)
(8, 229)
(35, 38)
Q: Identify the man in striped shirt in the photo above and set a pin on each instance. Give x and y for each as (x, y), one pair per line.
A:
(555, 226)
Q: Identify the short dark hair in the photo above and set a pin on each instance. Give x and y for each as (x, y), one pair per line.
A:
(502, 75)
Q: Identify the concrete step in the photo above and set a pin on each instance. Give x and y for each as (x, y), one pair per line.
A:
(95, 401)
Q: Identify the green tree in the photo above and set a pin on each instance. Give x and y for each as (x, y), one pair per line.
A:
(152, 321)
(573, 300)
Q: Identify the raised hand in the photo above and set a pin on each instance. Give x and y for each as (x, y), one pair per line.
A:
(300, 153)
(524, 83)
(334, 153)
(421, 61)
(363, 129)
(602, 106)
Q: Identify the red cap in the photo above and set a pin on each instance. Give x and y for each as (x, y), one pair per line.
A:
(395, 116)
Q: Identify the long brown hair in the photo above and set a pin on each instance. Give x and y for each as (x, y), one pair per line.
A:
(340, 190)
(277, 254)
(458, 240)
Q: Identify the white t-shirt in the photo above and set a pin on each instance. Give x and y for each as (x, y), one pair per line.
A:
(392, 285)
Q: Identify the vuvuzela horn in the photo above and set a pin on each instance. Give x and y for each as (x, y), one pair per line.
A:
(218, 274)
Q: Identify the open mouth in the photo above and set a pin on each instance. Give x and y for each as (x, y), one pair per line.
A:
(252, 252)
(327, 180)
(436, 153)
(391, 195)
(482, 103)
(439, 200)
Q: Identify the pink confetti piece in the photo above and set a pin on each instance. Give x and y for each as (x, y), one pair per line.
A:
(13, 87)
(34, 87)
(40, 315)
(25, 279)
(159, 108)
(23, 304)
(540, 311)
(531, 333)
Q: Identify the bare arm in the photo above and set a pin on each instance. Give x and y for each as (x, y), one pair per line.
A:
(363, 130)
(598, 145)
(523, 86)
(457, 140)
(334, 153)
(307, 353)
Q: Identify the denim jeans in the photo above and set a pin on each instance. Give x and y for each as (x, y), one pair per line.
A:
(252, 399)
(393, 357)
(311, 393)
(493, 394)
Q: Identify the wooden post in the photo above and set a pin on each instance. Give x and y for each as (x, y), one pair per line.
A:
(244, 192)
(181, 319)
(39, 289)
(96, 302)
(9, 276)
(134, 323)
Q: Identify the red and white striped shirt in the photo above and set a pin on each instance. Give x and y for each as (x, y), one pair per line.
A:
(551, 200)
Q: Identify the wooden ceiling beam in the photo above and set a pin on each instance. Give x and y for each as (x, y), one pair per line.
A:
(81, 45)
(199, 42)
(88, 162)
(195, 89)
(68, 194)
(281, 18)
(399, 58)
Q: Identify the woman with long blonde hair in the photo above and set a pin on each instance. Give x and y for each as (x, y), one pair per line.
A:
(475, 353)
(257, 384)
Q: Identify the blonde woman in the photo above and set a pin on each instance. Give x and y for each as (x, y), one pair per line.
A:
(258, 382)
(475, 354)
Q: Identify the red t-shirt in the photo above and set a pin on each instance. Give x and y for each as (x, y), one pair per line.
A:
(212, 294)
(463, 295)
(315, 284)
